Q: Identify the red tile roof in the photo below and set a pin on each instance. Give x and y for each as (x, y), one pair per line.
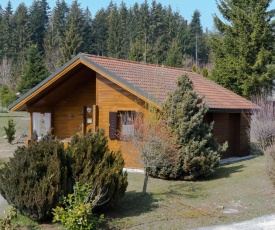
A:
(158, 81)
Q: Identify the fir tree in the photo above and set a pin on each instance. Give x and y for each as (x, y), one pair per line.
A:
(243, 48)
(174, 55)
(55, 35)
(38, 22)
(10, 131)
(113, 42)
(196, 46)
(74, 35)
(6, 38)
(99, 29)
(34, 70)
(184, 111)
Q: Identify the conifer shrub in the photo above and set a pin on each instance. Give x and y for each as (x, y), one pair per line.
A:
(10, 131)
(91, 162)
(35, 179)
(198, 153)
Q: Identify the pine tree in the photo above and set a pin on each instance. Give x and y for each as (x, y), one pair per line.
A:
(34, 70)
(243, 48)
(184, 111)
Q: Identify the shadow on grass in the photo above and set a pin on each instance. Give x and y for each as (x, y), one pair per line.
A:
(132, 204)
(224, 172)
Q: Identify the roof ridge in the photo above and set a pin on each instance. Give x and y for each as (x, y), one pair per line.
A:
(137, 62)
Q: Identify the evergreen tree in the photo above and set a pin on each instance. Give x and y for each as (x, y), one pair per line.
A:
(123, 32)
(174, 55)
(88, 32)
(113, 42)
(34, 70)
(21, 38)
(99, 29)
(156, 36)
(140, 21)
(243, 48)
(74, 35)
(7, 95)
(197, 43)
(184, 111)
(6, 38)
(55, 35)
(38, 22)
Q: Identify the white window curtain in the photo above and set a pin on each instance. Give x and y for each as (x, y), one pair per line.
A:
(36, 123)
(39, 120)
(47, 120)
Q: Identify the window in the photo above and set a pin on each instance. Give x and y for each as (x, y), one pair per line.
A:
(127, 123)
(123, 124)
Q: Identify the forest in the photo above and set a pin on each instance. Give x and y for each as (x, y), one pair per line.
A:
(36, 40)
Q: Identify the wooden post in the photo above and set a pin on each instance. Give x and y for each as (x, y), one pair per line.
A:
(31, 125)
(94, 117)
(84, 121)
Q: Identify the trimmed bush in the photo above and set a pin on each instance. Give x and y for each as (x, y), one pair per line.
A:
(35, 179)
(92, 162)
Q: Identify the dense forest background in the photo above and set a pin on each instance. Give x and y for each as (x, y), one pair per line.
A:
(50, 37)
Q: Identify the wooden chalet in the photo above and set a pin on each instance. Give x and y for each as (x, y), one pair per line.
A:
(91, 91)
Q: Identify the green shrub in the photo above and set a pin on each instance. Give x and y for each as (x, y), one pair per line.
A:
(35, 179)
(10, 130)
(93, 163)
(6, 222)
(77, 212)
(198, 153)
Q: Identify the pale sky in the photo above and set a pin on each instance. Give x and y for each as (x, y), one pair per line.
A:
(186, 8)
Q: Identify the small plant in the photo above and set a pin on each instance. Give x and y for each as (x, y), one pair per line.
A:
(77, 212)
(6, 222)
(10, 131)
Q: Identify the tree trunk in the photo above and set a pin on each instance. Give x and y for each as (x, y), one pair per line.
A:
(146, 176)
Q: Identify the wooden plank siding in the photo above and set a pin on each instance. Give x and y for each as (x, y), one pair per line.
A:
(113, 98)
(73, 104)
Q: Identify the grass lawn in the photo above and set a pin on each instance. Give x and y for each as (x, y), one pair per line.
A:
(236, 192)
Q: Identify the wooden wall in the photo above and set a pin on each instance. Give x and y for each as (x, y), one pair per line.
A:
(112, 98)
(231, 127)
(64, 127)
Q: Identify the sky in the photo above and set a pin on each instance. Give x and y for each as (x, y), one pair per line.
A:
(186, 8)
